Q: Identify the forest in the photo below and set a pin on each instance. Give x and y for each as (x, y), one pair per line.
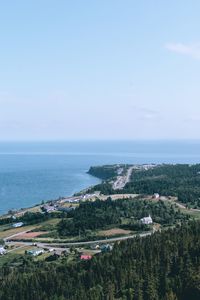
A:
(163, 266)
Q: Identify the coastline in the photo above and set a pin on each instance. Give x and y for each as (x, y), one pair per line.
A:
(37, 207)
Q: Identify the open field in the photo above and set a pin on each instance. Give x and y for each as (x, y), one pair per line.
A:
(117, 196)
(66, 204)
(53, 221)
(12, 231)
(29, 235)
(194, 213)
(44, 239)
(20, 250)
(114, 231)
(42, 256)
(33, 209)
(191, 212)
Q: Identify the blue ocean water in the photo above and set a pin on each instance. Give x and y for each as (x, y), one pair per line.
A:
(33, 171)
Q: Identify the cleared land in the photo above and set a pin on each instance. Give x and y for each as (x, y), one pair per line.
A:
(13, 231)
(16, 231)
(114, 231)
(29, 235)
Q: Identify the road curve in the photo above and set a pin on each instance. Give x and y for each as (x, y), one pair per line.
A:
(58, 245)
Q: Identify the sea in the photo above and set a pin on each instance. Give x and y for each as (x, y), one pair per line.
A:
(32, 172)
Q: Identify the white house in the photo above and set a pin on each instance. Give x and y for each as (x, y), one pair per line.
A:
(20, 224)
(2, 250)
(35, 252)
(147, 220)
(156, 196)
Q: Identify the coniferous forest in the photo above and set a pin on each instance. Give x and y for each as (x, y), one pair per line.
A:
(163, 266)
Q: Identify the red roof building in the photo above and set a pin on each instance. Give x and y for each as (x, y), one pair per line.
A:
(86, 257)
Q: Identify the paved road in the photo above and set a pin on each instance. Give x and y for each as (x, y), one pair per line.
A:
(59, 246)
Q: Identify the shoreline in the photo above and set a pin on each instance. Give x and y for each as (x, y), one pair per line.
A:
(36, 207)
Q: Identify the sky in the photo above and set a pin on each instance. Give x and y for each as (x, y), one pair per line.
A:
(103, 69)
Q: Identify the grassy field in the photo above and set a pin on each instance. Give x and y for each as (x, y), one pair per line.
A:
(42, 256)
(12, 231)
(20, 250)
(113, 232)
(194, 213)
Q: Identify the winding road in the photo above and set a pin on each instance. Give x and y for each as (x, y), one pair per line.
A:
(60, 246)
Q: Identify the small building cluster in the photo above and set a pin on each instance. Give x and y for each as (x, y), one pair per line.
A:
(102, 248)
(77, 199)
(48, 208)
(88, 196)
(71, 200)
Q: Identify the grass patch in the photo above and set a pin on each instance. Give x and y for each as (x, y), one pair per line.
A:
(12, 231)
(6, 232)
(113, 232)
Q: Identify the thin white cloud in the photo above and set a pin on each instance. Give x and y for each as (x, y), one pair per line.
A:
(192, 50)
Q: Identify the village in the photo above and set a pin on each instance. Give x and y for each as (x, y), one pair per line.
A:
(21, 240)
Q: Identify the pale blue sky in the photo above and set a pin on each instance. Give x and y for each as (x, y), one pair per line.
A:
(103, 69)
